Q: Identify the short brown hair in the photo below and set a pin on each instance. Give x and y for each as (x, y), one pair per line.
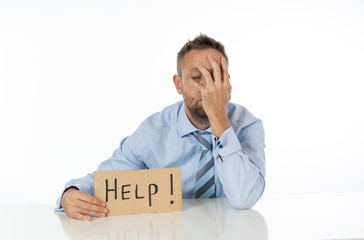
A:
(200, 42)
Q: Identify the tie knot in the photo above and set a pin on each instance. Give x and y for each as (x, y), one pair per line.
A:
(204, 138)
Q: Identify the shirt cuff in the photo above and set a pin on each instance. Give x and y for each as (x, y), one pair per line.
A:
(227, 144)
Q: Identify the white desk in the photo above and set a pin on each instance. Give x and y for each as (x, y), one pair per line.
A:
(335, 216)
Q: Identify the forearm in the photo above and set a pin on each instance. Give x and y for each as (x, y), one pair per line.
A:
(241, 172)
(242, 182)
(121, 159)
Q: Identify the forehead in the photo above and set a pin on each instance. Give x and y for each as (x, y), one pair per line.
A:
(193, 57)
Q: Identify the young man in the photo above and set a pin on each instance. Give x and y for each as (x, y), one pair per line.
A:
(218, 145)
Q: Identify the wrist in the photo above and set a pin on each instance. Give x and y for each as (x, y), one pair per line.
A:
(219, 124)
(66, 192)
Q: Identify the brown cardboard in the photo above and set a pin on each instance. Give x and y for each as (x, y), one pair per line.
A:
(139, 191)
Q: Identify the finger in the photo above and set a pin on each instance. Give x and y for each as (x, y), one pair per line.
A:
(80, 216)
(90, 207)
(90, 199)
(225, 72)
(74, 212)
(198, 85)
(206, 74)
(91, 213)
(216, 71)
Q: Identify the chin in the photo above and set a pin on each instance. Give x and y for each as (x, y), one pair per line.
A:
(200, 113)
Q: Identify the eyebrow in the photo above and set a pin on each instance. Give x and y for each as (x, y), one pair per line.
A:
(196, 69)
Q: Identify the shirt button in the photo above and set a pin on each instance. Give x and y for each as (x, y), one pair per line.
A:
(221, 146)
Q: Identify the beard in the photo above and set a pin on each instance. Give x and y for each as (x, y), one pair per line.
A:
(197, 112)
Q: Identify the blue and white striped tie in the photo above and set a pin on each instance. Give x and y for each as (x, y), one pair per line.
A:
(205, 176)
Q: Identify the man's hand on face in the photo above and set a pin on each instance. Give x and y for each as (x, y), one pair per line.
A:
(216, 94)
(82, 206)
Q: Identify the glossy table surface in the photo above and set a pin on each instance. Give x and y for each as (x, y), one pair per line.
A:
(326, 216)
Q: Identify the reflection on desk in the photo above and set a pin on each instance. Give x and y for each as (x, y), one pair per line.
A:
(318, 216)
(216, 219)
(200, 219)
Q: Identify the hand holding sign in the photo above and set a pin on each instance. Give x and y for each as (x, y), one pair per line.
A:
(82, 206)
(139, 191)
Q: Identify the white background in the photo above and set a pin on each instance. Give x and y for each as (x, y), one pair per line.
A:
(78, 76)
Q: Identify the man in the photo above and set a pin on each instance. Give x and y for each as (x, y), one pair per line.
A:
(218, 145)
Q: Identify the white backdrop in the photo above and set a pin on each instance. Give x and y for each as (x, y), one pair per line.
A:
(77, 76)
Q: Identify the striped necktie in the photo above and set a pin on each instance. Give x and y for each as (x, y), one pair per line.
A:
(205, 176)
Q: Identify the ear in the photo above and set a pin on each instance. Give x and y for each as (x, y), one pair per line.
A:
(178, 83)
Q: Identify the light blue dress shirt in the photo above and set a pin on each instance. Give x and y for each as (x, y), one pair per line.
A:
(164, 140)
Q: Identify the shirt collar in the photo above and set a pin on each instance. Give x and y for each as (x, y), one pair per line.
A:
(185, 126)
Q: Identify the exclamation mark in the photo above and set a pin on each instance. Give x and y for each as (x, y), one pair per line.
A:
(171, 178)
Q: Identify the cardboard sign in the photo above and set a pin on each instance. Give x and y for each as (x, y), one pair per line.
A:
(139, 191)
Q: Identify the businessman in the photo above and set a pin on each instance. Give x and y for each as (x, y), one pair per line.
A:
(218, 145)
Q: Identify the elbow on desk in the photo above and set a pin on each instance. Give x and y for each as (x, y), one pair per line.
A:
(241, 205)
(246, 200)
